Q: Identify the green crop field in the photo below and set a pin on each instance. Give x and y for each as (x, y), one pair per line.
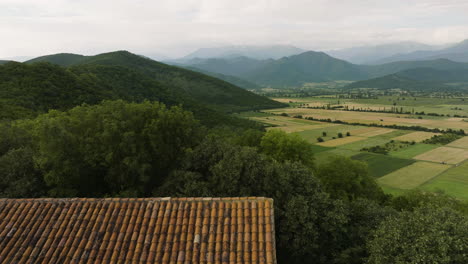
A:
(374, 141)
(413, 176)
(413, 150)
(324, 156)
(380, 165)
(453, 182)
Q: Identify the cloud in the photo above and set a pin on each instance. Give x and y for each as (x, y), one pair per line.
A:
(175, 27)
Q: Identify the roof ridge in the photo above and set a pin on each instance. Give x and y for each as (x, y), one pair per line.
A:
(126, 199)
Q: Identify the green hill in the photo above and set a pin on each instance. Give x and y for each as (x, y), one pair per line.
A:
(3, 62)
(63, 59)
(29, 89)
(205, 89)
(394, 67)
(306, 67)
(230, 79)
(236, 66)
(396, 81)
(430, 74)
(419, 79)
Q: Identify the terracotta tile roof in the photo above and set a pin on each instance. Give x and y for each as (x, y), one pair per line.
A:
(133, 230)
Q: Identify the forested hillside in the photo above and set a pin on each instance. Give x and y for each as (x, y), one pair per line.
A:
(306, 67)
(229, 78)
(63, 59)
(208, 90)
(397, 81)
(394, 67)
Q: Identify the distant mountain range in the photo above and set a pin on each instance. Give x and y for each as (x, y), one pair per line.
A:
(306, 67)
(309, 66)
(457, 52)
(254, 52)
(371, 54)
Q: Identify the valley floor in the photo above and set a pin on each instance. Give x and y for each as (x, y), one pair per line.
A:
(431, 167)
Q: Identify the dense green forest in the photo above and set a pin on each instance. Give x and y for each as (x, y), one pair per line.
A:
(200, 87)
(119, 125)
(397, 81)
(29, 89)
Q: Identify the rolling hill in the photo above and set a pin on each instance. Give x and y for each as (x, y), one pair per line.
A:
(305, 67)
(63, 59)
(396, 81)
(374, 71)
(205, 89)
(229, 78)
(237, 66)
(27, 89)
(418, 79)
(430, 74)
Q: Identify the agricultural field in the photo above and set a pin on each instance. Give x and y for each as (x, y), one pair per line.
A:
(413, 176)
(451, 106)
(380, 165)
(444, 155)
(409, 164)
(416, 136)
(387, 119)
(454, 179)
(461, 143)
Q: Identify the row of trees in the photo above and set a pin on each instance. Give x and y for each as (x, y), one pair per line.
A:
(328, 213)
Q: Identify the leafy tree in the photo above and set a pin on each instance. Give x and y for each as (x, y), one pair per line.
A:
(320, 139)
(364, 216)
(115, 147)
(348, 179)
(19, 178)
(309, 225)
(416, 198)
(287, 147)
(340, 135)
(427, 235)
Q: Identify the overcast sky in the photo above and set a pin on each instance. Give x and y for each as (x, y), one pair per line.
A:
(177, 27)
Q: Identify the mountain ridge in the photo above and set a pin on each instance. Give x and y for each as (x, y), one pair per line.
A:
(456, 52)
(255, 52)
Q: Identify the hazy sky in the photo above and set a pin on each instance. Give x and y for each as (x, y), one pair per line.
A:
(177, 27)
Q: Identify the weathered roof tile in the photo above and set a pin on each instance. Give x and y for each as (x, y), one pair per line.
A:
(143, 231)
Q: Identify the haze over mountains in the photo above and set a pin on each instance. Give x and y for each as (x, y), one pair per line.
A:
(457, 52)
(255, 52)
(371, 54)
(294, 71)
